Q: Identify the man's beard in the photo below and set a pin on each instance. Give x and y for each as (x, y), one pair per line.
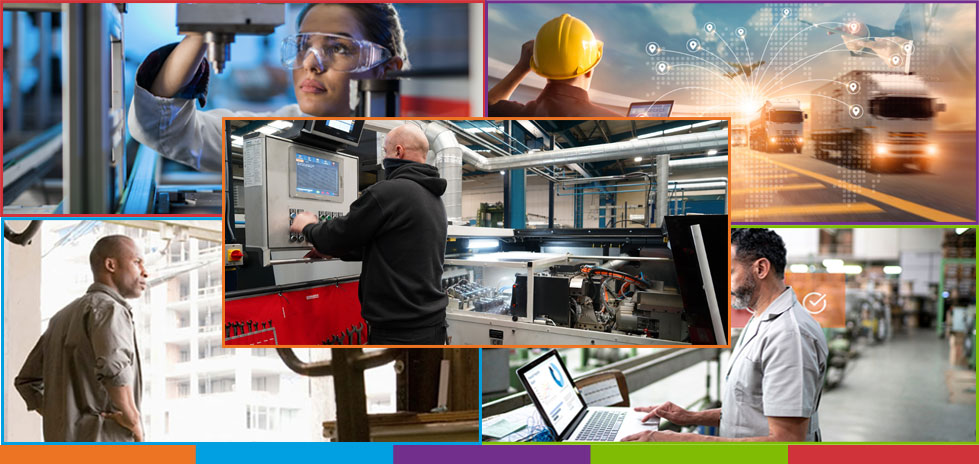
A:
(741, 297)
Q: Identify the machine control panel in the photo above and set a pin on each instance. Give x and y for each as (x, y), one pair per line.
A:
(283, 179)
(321, 215)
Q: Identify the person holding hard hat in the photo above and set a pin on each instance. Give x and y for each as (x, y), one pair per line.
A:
(565, 52)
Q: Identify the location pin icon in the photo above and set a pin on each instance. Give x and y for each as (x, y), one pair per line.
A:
(652, 48)
(692, 45)
(740, 31)
(895, 60)
(853, 86)
(709, 27)
(661, 67)
(855, 110)
(785, 12)
(854, 27)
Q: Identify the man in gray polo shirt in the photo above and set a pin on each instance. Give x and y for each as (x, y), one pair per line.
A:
(776, 370)
(83, 376)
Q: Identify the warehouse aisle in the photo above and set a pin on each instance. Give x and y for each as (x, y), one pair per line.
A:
(897, 392)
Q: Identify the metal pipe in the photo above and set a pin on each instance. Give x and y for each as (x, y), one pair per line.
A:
(700, 141)
(662, 187)
(448, 159)
(21, 238)
(496, 164)
(694, 188)
(620, 177)
(360, 361)
(14, 112)
(476, 93)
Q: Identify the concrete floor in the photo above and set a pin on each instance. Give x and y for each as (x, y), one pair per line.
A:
(896, 392)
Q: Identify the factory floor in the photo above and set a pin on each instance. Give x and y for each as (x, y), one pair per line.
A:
(900, 391)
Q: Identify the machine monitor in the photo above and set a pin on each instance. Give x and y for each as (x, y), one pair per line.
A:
(317, 177)
(346, 131)
(653, 109)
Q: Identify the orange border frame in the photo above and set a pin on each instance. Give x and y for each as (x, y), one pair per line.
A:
(224, 186)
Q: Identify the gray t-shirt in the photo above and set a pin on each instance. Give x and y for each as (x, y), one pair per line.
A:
(89, 345)
(776, 370)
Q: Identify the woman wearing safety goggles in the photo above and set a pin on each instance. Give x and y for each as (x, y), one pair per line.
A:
(336, 43)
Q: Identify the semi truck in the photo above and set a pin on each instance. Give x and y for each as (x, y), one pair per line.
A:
(739, 135)
(875, 120)
(777, 126)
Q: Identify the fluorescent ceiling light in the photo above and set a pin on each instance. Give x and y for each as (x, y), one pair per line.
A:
(828, 263)
(961, 230)
(650, 135)
(480, 244)
(712, 152)
(280, 124)
(852, 269)
(638, 159)
(267, 130)
(677, 129)
(482, 129)
(707, 123)
(892, 270)
(237, 141)
(799, 268)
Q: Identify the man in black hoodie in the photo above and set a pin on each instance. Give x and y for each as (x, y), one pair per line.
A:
(398, 229)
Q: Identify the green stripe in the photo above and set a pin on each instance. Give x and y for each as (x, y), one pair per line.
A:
(727, 453)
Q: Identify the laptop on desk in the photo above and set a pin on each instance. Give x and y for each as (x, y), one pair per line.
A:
(563, 408)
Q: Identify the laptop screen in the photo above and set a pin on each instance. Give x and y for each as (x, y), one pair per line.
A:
(548, 382)
(655, 109)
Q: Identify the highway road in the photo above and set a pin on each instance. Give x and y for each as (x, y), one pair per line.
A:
(791, 187)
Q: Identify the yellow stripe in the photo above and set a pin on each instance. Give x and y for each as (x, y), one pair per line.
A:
(770, 176)
(778, 188)
(890, 200)
(826, 208)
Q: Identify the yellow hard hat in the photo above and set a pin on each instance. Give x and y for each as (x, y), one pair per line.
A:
(565, 48)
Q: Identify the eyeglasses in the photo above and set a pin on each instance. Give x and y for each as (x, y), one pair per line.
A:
(331, 51)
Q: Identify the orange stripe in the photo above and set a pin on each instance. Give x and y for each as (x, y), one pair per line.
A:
(100, 454)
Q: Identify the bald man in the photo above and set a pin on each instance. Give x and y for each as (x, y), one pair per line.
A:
(397, 228)
(83, 376)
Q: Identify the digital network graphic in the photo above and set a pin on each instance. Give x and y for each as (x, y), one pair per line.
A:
(839, 112)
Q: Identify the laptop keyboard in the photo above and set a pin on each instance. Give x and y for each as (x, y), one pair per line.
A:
(602, 426)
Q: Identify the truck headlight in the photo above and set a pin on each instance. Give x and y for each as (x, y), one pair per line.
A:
(880, 149)
(932, 150)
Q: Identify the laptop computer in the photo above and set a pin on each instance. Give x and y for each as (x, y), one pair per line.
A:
(651, 109)
(563, 408)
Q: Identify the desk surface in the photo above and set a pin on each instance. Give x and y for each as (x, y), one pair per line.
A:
(525, 416)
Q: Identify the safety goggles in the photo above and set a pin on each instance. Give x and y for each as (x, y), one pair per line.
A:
(331, 51)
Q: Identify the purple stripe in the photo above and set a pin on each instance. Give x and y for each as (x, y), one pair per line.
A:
(491, 454)
(772, 223)
(720, 1)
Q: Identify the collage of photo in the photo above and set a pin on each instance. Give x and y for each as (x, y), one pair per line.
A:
(489, 222)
